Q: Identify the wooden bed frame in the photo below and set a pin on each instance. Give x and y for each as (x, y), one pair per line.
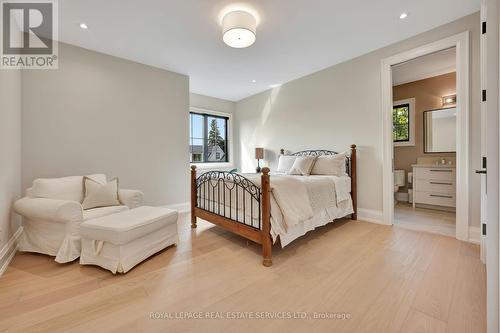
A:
(203, 188)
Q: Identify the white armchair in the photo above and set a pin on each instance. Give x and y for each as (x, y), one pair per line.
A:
(52, 214)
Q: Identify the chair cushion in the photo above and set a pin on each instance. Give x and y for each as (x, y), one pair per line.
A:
(65, 188)
(93, 213)
(123, 227)
(100, 194)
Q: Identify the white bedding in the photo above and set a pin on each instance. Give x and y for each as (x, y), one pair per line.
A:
(298, 203)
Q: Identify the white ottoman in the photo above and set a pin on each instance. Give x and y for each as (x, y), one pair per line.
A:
(120, 241)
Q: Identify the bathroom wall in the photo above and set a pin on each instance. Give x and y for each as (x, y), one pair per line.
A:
(428, 95)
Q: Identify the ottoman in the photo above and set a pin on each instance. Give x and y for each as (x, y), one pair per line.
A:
(118, 242)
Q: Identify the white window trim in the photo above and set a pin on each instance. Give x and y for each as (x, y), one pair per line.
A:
(223, 165)
(411, 102)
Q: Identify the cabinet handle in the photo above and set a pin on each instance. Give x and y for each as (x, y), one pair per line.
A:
(441, 170)
(441, 196)
(438, 183)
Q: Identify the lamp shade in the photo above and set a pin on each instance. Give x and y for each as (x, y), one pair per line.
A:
(259, 153)
(239, 29)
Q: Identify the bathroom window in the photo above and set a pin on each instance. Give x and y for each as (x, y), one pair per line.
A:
(403, 122)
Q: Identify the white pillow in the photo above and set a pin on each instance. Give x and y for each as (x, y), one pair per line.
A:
(302, 165)
(285, 163)
(332, 165)
(65, 188)
(100, 195)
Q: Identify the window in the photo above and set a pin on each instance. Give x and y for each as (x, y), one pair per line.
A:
(208, 138)
(403, 122)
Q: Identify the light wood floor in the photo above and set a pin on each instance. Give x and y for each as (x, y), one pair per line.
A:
(387, 279)
(432, 220)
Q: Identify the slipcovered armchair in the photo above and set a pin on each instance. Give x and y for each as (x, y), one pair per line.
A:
(52, 213)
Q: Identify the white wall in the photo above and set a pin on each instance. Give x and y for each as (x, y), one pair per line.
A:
(10, 155)
(99, 113)
(341, 105)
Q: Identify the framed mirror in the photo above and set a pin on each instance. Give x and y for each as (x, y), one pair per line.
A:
(440, 128)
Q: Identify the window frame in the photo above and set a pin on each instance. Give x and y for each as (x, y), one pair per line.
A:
(229, 137)
(411, 122)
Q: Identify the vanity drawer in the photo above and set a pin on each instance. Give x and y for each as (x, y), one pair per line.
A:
(439, 186)
(435, 173)
(438, 199)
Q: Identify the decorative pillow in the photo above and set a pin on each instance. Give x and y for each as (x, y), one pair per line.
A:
(332, 165)
(65, 188)
(100, 194)
(302, 165)
(285, 163)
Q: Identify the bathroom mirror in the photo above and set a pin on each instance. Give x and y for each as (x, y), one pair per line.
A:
(440, 130)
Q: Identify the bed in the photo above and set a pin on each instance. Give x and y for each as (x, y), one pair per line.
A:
(272, 208)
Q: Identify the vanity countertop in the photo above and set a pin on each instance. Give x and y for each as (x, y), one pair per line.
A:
(447, 166)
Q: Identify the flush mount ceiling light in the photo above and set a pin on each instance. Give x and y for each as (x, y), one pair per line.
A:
(238, 29)
(403, 16)
(84, 26)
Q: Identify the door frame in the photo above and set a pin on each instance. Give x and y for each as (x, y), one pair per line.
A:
(461, 43)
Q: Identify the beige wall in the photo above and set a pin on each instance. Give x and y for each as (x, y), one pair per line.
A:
(10, 155)
(341, 105)
(211, 103)
(99, 113)
(428, 95)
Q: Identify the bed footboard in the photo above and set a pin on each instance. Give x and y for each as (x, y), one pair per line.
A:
(235, 203)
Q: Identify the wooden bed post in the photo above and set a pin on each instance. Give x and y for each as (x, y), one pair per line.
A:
(267, 243)
(354, 191)
(193, 196)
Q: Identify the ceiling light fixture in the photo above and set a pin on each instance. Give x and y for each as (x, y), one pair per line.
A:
(239, 29)
(84, 26)
(254, 81)
(403, 16)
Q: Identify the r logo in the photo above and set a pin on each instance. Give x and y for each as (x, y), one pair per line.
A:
(35, 20)
(29, 34)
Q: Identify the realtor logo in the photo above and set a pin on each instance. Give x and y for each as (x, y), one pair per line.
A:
(29, 34)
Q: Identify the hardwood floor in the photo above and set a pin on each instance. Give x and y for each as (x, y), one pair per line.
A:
(374, 278)
(425, 219)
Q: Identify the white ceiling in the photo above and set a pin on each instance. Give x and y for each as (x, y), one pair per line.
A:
(431, 65)
(294, 37)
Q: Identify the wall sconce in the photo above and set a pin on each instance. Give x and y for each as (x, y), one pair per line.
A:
(449, 100)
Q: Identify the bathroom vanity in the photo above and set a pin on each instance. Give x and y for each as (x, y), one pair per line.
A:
(434, 185)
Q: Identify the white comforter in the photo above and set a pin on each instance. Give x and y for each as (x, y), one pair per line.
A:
(299, 198)
(294, 201)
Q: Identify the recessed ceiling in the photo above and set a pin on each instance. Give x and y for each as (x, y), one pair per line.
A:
(294, 37)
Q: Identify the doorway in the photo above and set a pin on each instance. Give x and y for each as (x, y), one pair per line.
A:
(424, 139)
(460, 44)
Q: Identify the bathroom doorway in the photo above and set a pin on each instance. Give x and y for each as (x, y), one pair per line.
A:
(424, 141)
(454, 171)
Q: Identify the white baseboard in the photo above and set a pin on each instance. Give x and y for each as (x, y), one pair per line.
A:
(180, 207)
(475, 235)
(9, 250)
(371, 215)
